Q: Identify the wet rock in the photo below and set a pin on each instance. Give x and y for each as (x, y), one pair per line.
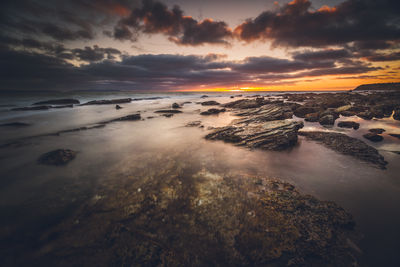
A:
(343, 108)
(373, 137)
(57, 102)
(203, 96)
(396, 114)
(312, 117)
(232, 96)
(193, 124)
(210, 103)
(15, 124)
(377, 130)
(168, 115)
(349, 124)
(366, 115)
(395, 135)
(327, 120)
(347, 113)
(176, 105)
(269, 112)
(107, 102)
(57, 157)
(348, 146)
(213, 111)
(132, 117)
(302, 111)
(32, 108)
(271, 135)
(118, 107)
(246, 103)
(333, 103)
(170, 111)
(63, 106)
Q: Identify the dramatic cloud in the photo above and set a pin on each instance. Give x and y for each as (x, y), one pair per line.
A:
(155, 17)
(296, 24)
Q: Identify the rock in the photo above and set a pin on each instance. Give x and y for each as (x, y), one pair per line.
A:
(15, 124)
(246, 103)
(132, 117)
(63, 106)
(118, 107)
(349, 124)
(175, 105)
(373, 137)
(57, 102)
(173, 111)
(302, 111)
(342, 108)
(57, 157)
(31, 108)
(107, 102)
(210, 103)
(395, 135)
(168, 115)
(232, 96)
(203, 96)
(366, 115)
(312, 117)
(396, 114)
(271, 135)
(347, 113)
(269, 112)
(213, 111)
(348, 146)
(193, 124)
(327, 120)
(333, 103)
(377, 130)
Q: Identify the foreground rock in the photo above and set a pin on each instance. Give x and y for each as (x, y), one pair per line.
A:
(272, 135)
(269, 112)
(57, 157)
(348, 146)
(377, 130)
(213, 111)
(395, 135)
(374, 137)
(184, 215)
(58, 102)
(107, 102)
(349, 124)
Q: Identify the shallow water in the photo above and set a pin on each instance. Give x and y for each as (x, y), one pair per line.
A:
(35, 197)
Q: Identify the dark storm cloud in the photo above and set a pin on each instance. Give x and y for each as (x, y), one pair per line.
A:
(23, 69)
(296, 24)
(155, 17)
(329, 54)
(384, 57)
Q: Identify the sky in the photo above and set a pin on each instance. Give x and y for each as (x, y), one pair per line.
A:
(200, 45)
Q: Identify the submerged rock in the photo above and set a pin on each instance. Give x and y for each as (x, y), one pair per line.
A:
(213, 111)
(193, 124)
(65, 101)
(271, 135)
(168, 111)
(107, 102)
(118, 107)
(57, 157)
(210, 103)
(395, 135)
(190, 216)
(132, 117)
(349, 146)
(349, 124)
(374, 137)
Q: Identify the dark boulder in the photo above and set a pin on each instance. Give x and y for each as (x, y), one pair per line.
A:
(118, 107)
(373, 137)
(349, 124)
(302, 111)
(173, 111)
(327, 120)
(213, 111)
(176, 105)
(107, 102)
(32, 108)
(366, 115)
(312, 117)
